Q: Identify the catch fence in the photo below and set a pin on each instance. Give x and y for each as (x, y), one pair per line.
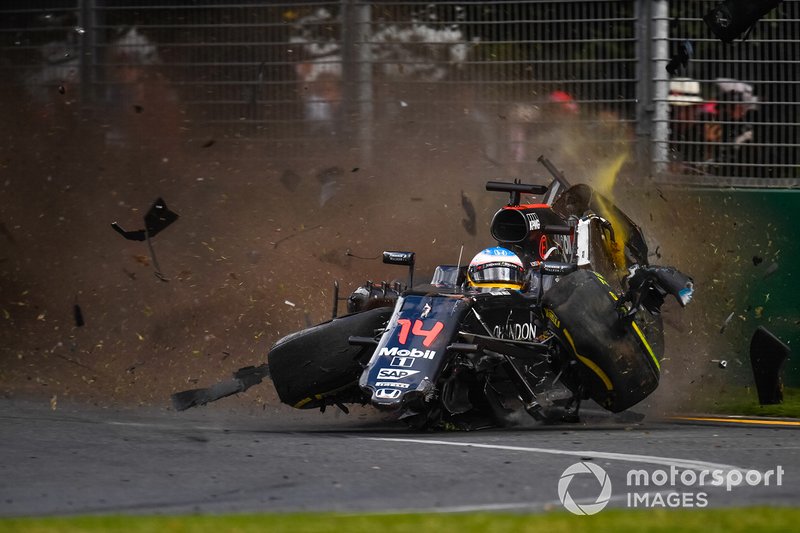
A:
(506, 75)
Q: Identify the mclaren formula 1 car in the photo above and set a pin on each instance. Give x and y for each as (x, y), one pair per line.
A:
(564, 308)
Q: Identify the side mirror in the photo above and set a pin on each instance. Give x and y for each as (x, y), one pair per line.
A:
(401, 258)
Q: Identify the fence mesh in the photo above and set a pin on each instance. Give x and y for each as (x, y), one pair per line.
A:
(733, 108)
(506, 75)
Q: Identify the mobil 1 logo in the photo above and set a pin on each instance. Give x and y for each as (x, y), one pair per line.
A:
(394, 351)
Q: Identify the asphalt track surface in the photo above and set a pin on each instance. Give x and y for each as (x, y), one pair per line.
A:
(217, 459)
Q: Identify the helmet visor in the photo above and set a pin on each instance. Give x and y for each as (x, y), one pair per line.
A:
(503, 273)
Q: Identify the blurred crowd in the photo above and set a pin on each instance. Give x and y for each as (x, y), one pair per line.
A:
(715, 126)
(713, 135)
(133, 100)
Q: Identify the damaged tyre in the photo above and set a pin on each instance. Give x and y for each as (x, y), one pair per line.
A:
(318, 366)
(618, 358)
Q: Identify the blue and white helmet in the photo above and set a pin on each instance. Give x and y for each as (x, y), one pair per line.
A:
(496, 268)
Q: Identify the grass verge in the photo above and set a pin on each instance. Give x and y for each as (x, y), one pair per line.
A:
(749, 520)
(747, 404)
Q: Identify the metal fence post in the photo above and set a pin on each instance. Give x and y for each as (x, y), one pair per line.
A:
(644, 89)
(357, 76)
(660, 57)
(364, 92)
(87, 32)
(348, 69)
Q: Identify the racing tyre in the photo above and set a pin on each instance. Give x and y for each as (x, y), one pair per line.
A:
(617, 359)
(318, 366)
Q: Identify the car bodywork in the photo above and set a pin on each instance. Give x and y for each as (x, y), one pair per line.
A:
(586, 326)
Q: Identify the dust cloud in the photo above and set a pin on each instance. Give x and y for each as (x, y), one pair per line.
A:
(264, 229)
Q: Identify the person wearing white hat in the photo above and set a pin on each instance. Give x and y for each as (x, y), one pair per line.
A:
(684, 92)
(734, 110)
(686, 129)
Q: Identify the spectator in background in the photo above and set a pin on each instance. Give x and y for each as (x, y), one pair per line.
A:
(143, 108)
(520, 118)
(562, 104)
(529, 123)
(320, 88)
(686, 128)
(54, 86)
(733, 113)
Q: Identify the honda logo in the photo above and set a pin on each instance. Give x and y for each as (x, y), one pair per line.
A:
(388, 394)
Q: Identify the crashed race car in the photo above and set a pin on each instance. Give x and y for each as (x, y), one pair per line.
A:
(564, 308)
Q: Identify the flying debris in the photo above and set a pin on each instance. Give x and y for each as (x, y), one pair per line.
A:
(158, 217)
(767, 357)
(731, 18)
(469, 212)
(78, 314)
(681, 59)
(328, 178)
(726, 322)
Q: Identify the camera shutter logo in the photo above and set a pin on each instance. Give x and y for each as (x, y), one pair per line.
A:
(588, 508)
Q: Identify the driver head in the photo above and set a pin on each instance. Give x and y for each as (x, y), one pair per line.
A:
(496, 268)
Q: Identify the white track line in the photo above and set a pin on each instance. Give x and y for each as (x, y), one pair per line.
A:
(688, 464)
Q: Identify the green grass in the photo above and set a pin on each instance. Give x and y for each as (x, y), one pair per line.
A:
(749, 520)
(747, 404)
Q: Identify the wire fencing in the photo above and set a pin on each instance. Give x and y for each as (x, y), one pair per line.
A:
(514, 77)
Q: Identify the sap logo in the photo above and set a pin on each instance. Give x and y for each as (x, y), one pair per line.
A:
(392, 384)
(395, 351)
(533, 221)
(388, 394)
(390, 373)
(403, 362)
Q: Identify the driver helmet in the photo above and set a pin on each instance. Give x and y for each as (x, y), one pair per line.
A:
(496, 268)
